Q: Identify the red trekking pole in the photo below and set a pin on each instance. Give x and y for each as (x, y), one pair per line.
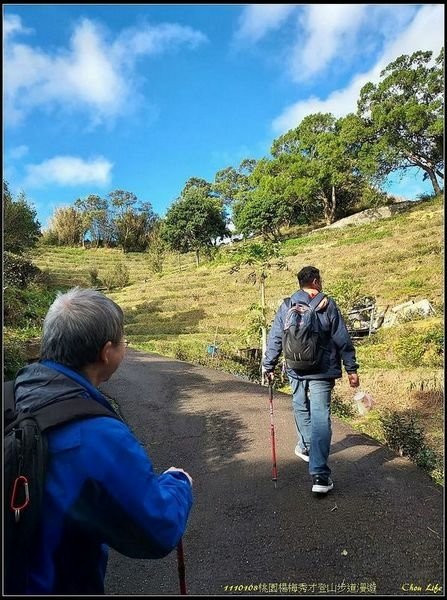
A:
(181, 567)
(272, 431)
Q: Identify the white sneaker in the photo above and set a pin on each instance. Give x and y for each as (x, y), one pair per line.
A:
(303, 454)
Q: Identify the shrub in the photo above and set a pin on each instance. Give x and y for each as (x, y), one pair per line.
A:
(341, 408)
(93, 272)
(180, 352)
(421, 348)
(49, 238)
(26, 308)
(18, 271)
(14, 355)
(254, 321)
(117, 277)
(256, 253)
(403, 434)
(427, 459)
(346, 293)
(156, 260)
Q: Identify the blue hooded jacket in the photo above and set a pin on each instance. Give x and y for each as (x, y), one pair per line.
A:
(337, 341)
(100, 491)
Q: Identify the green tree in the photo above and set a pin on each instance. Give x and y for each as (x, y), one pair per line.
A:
(400, 120)
(262, 209)
(316, 168)
(194, 220)
(156, 247)
(132, 220)
(230, 183)
(68, 226)
(21, 228)
(137, 224)
(95, 218)
(122, 205)
(261, 257)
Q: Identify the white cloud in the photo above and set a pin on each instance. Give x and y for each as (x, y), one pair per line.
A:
(92, 74)
(413, 38)
(155, 40)
(68, 171)
(328, 28)
(425, 32)
(257, 20)
(12, 24)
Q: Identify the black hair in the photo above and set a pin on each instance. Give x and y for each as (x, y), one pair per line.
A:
(307, 275)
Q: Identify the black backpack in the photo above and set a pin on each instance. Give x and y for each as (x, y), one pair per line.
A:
(302, 336)
(24, 466)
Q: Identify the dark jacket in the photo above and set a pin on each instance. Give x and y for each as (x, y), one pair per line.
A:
(100, 491)
(337, 341)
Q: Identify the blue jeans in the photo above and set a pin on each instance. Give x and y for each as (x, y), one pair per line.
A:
(311, 400)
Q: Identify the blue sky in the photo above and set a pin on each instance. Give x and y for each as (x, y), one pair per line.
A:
(143, 97)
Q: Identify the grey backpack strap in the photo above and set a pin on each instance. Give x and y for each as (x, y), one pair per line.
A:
(71, 409)
(313, 304)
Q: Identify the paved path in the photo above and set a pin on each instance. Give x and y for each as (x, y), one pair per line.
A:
(378, 532)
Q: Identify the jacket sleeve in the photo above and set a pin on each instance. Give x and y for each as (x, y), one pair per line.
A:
(135, 511)
(274, 341)
(342, 340)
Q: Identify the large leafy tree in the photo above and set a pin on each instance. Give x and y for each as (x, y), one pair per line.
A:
(317, 171)
(21, 228)
(194, 220)
(400, 120)
(261, 207)
(230, 183)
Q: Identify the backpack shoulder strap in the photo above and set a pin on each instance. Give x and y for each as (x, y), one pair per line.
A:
(65, 411)
(9, 403)
(316, 300)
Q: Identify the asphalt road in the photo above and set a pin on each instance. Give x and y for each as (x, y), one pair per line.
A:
(379, 532)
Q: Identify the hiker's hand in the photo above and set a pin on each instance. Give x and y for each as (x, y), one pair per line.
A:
(269, 377)
(354, 380)
(181, 471)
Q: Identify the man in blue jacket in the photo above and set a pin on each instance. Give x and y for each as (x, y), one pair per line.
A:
(311, 392)
(100, 487)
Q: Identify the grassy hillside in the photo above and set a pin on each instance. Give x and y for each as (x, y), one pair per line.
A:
(186, 308)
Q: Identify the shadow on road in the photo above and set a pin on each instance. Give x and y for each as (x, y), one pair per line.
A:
(377, 532)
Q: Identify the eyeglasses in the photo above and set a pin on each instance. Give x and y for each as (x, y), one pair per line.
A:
(125, 342)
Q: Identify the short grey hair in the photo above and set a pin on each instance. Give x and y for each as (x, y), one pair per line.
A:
(77, 325)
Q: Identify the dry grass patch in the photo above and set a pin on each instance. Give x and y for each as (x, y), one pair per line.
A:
(417, 390)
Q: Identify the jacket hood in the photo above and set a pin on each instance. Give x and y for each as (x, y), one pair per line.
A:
(37, 385)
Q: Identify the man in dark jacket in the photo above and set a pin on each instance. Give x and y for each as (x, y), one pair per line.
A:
(100, 488)
(311, 391)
